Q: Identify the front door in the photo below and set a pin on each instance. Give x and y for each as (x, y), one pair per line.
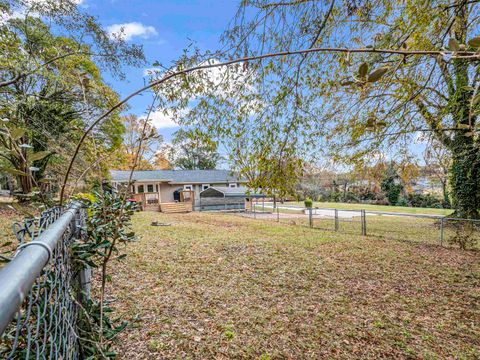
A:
(176, 195)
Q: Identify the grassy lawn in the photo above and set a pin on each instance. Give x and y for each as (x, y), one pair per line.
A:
(403, 228)
(221, 287)
(402, 209)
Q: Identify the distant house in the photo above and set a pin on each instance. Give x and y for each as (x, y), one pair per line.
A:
(174, 190)
(427, 185)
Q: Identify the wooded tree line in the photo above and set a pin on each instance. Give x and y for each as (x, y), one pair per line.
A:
(189, 150)
(404, 183)
(53, 58)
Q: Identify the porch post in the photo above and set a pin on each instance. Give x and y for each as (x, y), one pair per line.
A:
(159, 196)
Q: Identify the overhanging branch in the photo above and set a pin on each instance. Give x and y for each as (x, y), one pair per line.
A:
(169, 75)
(20, 76)
(433, 123)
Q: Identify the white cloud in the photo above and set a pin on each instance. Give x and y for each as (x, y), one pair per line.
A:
(164, 148)
(219, 78)
(421, 137)
(230, 82)
(229, 77)
(16, 14)
(127, 31)
(164, 119)
(225, 82)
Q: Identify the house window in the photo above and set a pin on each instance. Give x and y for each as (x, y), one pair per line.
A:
(150, 188)
(140, 189)
(187, 187)
(205, 186)
(232, 185)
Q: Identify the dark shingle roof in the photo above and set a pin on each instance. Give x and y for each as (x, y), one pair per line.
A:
(177, 176)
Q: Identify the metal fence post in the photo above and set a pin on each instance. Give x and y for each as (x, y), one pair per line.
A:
(85, 279)
(364, 222)
(441, 230)
(85, 273)
(336, 219)
(310, 218)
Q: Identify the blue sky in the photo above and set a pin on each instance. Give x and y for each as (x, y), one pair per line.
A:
(164, 28)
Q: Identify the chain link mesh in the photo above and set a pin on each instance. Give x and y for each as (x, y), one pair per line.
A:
(45, 325)
(418, 228)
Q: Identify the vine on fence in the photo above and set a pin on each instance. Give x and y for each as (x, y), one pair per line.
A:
(466, 233)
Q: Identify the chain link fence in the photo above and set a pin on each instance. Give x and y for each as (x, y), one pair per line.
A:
(430, 229)
(41, 288)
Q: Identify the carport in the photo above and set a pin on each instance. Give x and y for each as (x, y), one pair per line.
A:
(225, 198)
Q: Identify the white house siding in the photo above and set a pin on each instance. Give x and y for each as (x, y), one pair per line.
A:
(166, 192)
(198, 189)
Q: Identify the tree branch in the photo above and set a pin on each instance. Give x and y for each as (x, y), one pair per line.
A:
(447, 7)
(433, 123)
(18, 77)
(172, 74)
(286, 3)
(446, 76)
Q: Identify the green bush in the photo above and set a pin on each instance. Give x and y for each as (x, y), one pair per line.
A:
(402, 202)
(308, 203)
(351, 197)
(108, 231)
(391, 186)
(89, 198)
(425, 200)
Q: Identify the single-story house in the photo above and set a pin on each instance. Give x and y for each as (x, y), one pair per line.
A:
(160, 189)
(226, 198)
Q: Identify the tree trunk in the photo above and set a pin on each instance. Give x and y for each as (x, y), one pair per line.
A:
(446, 199)
(26, 183)
(465, 177)
(465, 169)
(10, 186)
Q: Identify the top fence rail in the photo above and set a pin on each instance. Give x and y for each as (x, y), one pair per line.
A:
(38, 304)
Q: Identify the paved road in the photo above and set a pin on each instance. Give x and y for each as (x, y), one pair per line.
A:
(344, 214)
